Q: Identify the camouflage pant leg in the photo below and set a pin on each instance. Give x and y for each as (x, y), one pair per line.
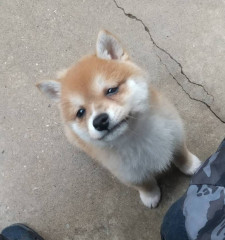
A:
(203, 205)
(173, 227)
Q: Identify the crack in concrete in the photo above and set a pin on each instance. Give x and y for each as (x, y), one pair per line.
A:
(208, 106)
(178, 63)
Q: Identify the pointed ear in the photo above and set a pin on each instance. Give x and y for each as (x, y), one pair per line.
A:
(50, 88)
(109, 47)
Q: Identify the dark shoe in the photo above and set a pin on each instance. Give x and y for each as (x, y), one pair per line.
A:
(20, 232)
(2, 238)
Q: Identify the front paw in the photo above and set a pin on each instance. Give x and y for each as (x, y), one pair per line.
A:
(193, 165)
(151, 199)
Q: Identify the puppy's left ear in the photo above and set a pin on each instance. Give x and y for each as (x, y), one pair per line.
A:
(52, 89)
(109, 47)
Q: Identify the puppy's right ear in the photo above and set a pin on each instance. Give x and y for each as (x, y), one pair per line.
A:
(50, 88)
(109, 47)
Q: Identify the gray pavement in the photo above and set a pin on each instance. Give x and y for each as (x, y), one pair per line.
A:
(47, 183)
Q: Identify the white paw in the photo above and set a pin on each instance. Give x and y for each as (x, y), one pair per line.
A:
(150, 199)
(195, 164)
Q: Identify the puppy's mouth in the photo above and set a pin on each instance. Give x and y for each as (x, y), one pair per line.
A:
(115, 127)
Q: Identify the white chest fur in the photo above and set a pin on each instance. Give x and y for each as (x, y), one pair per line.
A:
(145, 150)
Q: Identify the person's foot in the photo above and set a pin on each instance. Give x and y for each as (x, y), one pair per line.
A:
(20, 232)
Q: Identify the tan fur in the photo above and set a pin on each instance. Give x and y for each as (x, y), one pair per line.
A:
(79, 80)
(79, 77)
(99, 154)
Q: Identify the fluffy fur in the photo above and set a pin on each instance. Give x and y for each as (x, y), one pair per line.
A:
(145, 133)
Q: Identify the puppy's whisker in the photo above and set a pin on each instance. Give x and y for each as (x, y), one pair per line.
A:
(131, 130)
(130, 116)
(134, 132)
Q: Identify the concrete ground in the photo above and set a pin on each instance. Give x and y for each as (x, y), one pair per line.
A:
(55, 188)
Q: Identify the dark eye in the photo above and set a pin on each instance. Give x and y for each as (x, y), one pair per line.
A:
(81, 112)
(112, 91)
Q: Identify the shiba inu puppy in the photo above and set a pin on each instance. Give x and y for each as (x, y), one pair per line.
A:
(110, 110)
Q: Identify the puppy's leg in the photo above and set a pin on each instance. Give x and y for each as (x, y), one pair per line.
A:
(187, 162)
(149, 193)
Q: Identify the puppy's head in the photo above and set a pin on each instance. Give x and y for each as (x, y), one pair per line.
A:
(102, 94)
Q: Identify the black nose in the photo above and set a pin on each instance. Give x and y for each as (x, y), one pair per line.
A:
(101, 122)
